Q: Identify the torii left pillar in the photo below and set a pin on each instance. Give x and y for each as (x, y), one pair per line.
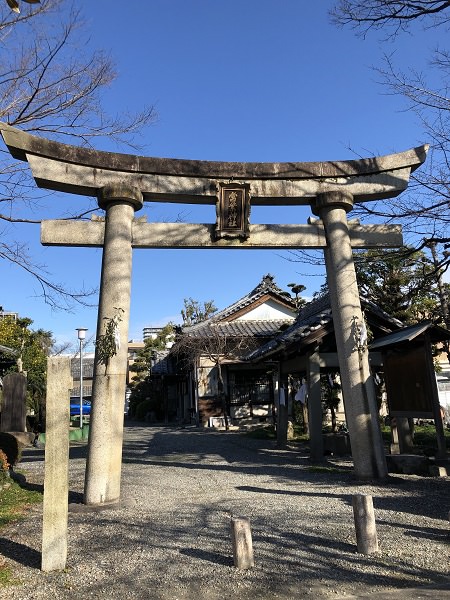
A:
(104, 461)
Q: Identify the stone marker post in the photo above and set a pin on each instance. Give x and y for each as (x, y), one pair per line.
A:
(14, 402)
(315, 417)
(282, 426)
(241, 537)
(282, 417)
(56, 478)
(366, 533)
(104, 462)
(358, 391)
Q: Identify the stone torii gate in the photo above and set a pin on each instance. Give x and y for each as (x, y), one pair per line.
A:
(122, 182)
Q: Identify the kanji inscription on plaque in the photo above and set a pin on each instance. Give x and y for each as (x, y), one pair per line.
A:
(233, 209)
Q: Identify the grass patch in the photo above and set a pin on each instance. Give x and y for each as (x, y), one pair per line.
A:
(299, 434)
(14, 504)
(424, 438)
(267, 432)
(318, 469)
(261, 433)
(5, 574)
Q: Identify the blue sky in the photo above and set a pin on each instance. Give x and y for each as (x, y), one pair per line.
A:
(253, 80)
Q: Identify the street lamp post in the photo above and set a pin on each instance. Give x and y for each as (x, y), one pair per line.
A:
(81, 336)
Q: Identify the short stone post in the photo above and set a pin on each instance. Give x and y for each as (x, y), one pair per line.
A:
(241, 537)
(104, 461)
(366, 533)
(56, 478)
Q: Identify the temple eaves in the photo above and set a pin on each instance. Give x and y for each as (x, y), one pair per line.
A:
(84, 171)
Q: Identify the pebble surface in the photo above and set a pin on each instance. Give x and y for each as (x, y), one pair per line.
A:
(170, 537)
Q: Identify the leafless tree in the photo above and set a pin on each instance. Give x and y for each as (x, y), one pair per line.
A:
(51, 84)
(424, 210)
(364, 15)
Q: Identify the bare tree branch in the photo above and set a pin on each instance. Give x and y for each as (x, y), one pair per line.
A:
(424, 209)
(54, 294)
(51, 83)
(396, 14)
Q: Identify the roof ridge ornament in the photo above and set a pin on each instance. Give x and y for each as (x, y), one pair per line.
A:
(267, 284)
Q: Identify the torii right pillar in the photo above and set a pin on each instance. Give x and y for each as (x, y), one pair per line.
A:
(357, 385)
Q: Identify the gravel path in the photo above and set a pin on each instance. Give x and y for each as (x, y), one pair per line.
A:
(170, 538)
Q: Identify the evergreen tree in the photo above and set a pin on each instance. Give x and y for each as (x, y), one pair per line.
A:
(32, 349)
(196, 312)
(142, 389)
(401, 282)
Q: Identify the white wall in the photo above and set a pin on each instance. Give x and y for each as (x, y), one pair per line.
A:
(267, 311)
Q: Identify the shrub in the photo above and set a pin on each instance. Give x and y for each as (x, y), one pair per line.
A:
(142, 409)
(10, 447)
(4, 467)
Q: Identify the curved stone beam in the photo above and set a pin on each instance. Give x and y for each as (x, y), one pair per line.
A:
(84, 171)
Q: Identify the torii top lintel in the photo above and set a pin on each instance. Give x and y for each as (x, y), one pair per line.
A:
(84, 171)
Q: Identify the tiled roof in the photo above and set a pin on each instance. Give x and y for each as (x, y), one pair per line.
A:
(263, 328)
(266, 286)
(316, 315)
(407, 334)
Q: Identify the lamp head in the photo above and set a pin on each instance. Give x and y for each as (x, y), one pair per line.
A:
(81, 332)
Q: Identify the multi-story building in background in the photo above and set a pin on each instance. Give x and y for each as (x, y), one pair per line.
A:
(4, 314)
(151, 332)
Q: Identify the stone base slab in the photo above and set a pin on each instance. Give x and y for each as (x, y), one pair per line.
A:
(337, 444)
(26, 438)
(440, 471)
(408, 464)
